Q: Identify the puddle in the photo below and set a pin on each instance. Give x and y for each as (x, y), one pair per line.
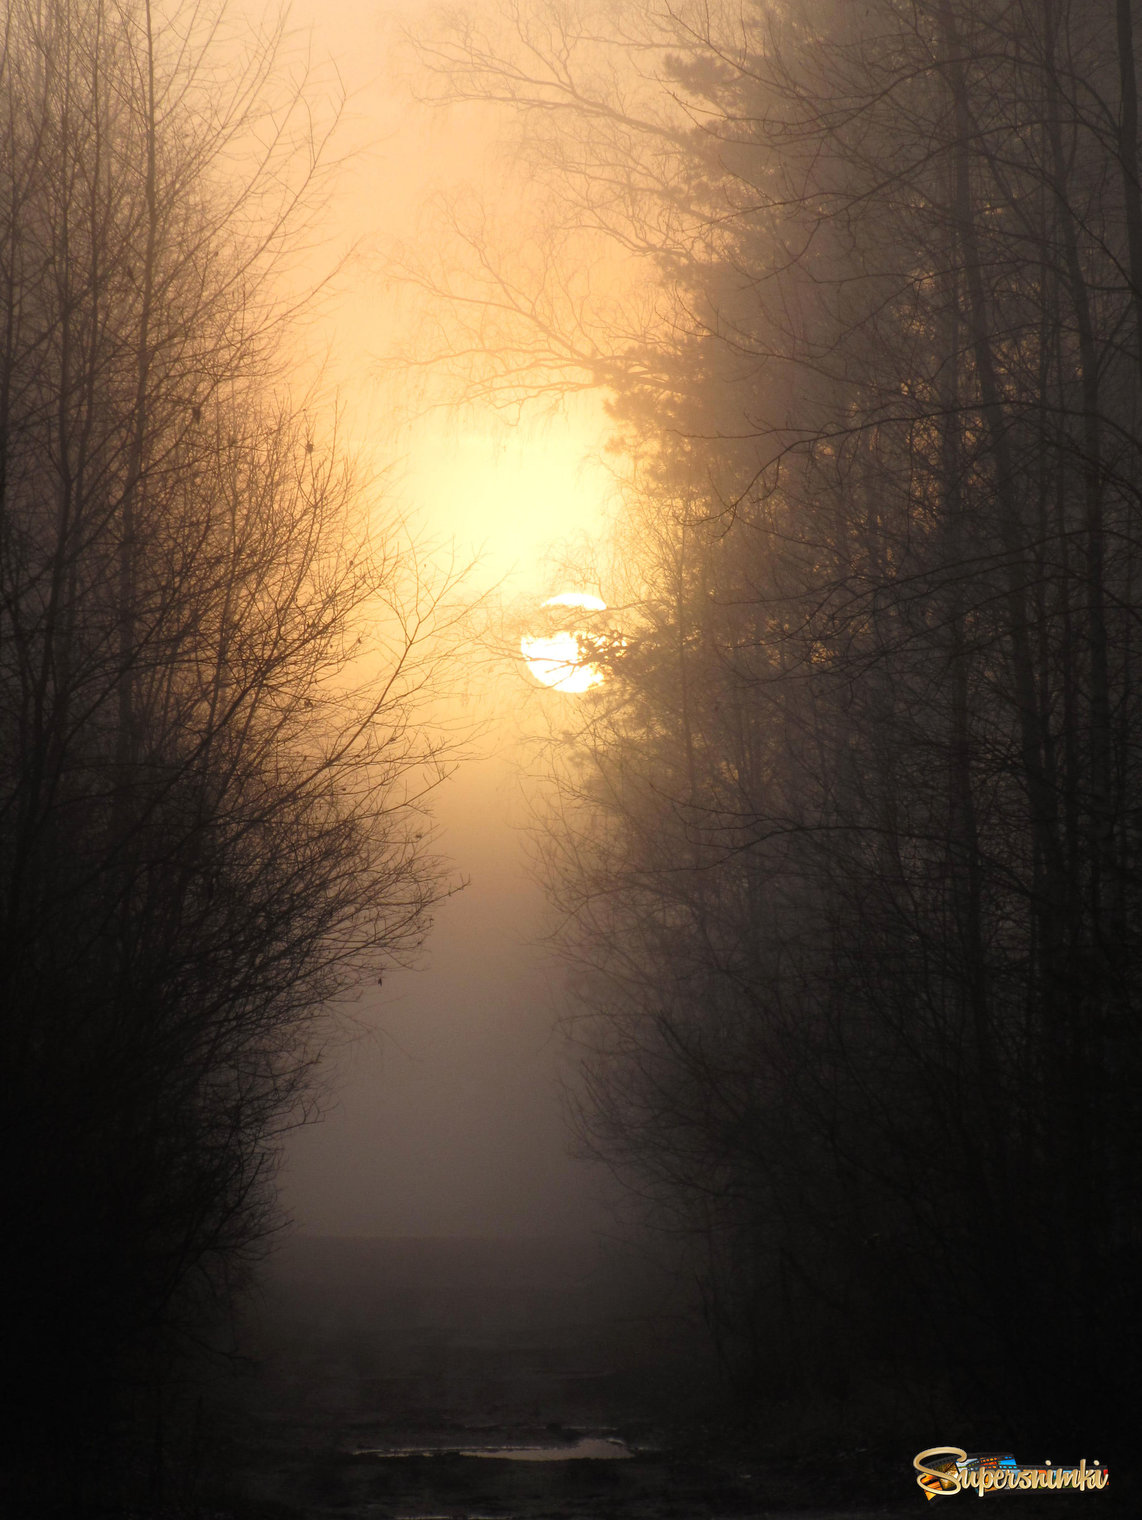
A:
(588, 1448)
(595, 1448)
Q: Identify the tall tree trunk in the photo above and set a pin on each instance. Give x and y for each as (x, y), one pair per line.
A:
(1128, 158)
(134, 489)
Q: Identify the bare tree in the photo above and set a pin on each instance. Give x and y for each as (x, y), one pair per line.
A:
(211, 665)
(846, 850)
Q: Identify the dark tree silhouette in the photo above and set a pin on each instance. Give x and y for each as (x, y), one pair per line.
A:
(847, 848)
(211, 776)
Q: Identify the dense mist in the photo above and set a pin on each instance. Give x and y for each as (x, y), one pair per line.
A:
(570, 755)
(446, 1116)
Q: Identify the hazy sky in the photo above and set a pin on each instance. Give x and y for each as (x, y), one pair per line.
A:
(448, 1120)
(445, 1118)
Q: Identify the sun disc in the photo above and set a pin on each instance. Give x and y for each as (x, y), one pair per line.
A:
(555, 660)
(582, 599)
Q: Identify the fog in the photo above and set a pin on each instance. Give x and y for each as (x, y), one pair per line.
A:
(444, 1117)
(776, 366)
(448, 1117)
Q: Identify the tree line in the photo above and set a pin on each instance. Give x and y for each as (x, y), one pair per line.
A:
(211, 772)
(846, 849)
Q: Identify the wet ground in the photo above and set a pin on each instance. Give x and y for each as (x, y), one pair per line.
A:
(490, 1380)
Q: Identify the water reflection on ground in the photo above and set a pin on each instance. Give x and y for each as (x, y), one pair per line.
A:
(593, 1448)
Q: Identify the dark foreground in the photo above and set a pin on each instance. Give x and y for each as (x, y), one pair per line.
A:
(523, 1381)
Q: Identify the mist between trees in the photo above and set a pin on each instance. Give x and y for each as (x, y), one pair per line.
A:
(846, 849)
(211, 664)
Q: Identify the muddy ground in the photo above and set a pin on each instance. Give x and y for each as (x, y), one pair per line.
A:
(392, 1376)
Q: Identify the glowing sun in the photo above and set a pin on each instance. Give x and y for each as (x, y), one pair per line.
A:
(556, 659)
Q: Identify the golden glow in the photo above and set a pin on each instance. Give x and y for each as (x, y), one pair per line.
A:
(556, 659)
(512, 497)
